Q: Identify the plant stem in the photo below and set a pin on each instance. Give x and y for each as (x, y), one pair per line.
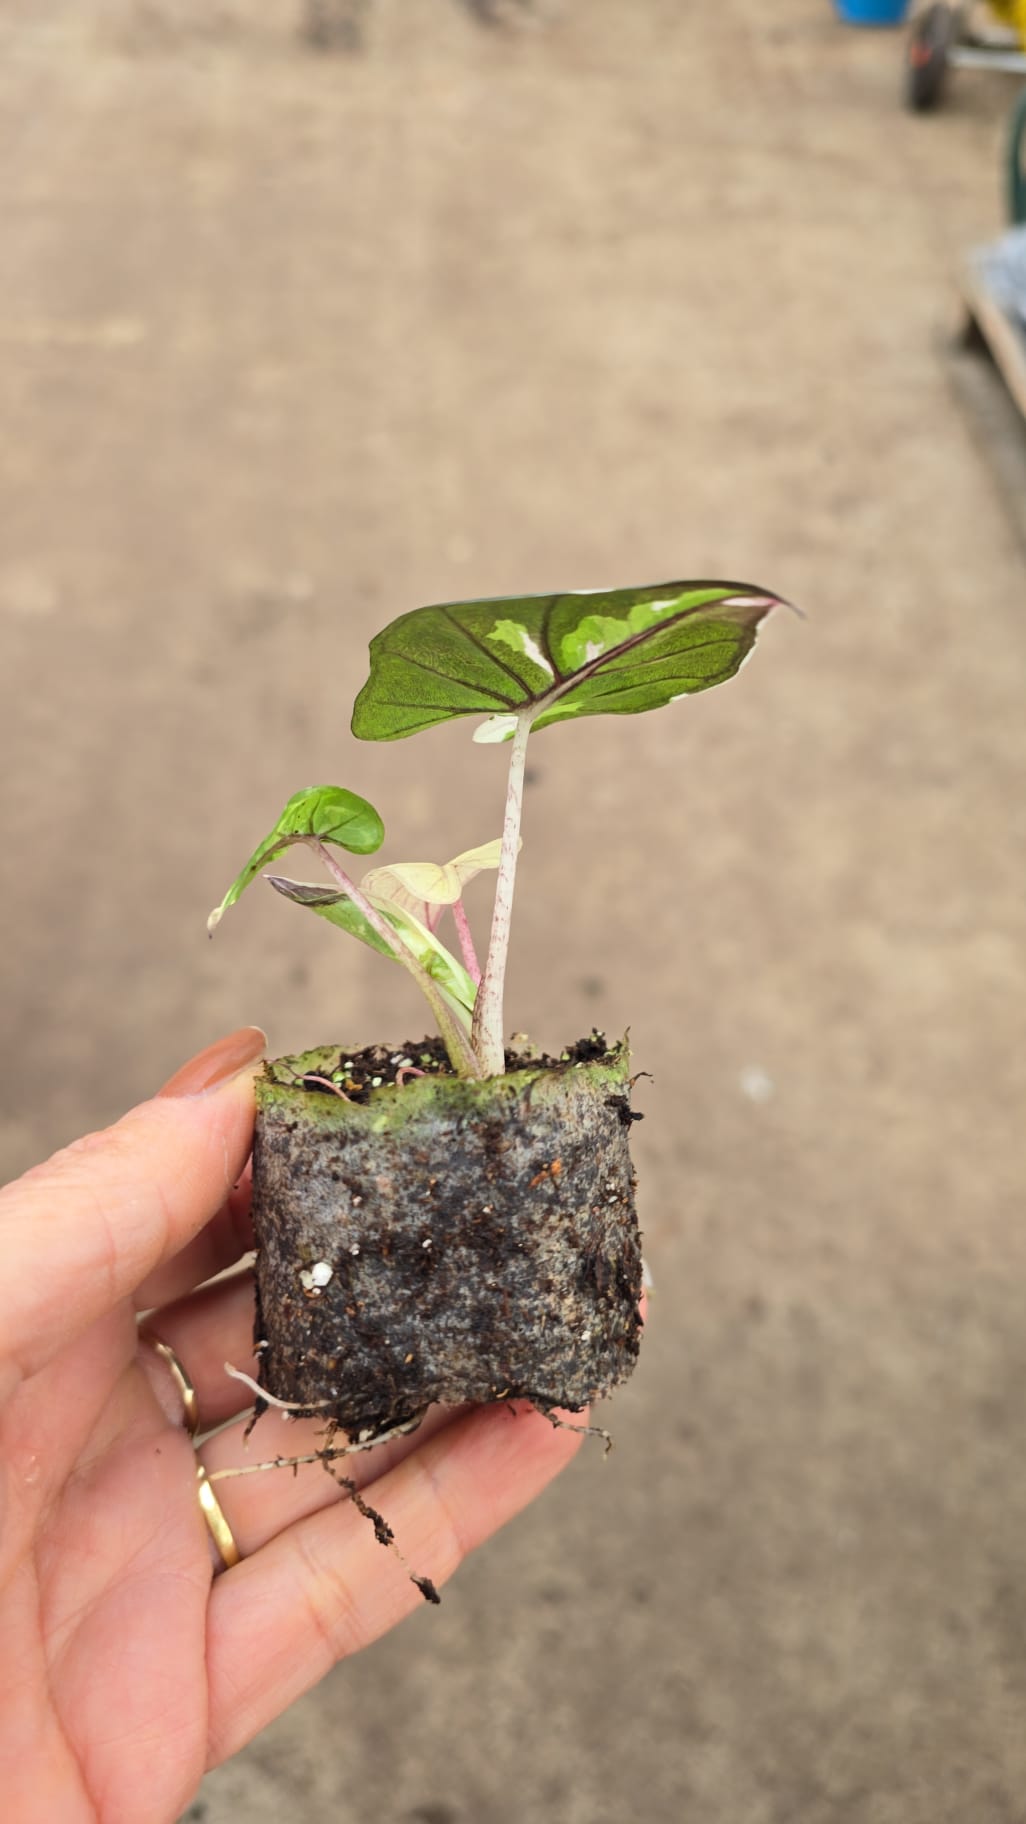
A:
(459, 1046)
(465, 935)
(486, 1034)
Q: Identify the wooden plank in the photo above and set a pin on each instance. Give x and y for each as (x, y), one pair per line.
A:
(997, 427)
(1005, 341)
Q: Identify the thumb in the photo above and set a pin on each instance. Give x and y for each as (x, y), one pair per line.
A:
(81, 1232)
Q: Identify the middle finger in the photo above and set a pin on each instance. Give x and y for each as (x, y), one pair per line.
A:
(205, 1330)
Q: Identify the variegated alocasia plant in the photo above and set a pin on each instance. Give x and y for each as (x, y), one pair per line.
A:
(524, 662)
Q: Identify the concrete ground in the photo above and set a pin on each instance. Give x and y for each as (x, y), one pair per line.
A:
(294, 342)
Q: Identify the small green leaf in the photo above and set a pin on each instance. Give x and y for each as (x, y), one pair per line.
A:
(325, 813)
(433, 956)
(614, 652)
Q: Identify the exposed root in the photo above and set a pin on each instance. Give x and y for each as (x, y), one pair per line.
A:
(382, 1531)
(326, 1455)
(325, 1083)
(309, 1078)
(306, 1408)
(584, 1431)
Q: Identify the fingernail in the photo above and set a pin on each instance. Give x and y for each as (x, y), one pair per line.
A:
(217, 1064)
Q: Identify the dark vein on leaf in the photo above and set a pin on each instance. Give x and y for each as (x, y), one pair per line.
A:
(591, 666)
(621, 685)
(656, 658)
(492, 657)
(432, 670)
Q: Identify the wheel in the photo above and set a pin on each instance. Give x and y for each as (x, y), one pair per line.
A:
(926, 56)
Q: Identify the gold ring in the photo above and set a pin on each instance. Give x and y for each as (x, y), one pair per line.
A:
(220, 1532)
(190, 1402)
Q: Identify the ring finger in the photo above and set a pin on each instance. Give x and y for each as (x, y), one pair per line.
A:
(215, 1326)
(204, 1331)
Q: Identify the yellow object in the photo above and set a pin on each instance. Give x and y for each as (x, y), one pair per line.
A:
(186, 1390)
(1013, 13)
(220, 1531)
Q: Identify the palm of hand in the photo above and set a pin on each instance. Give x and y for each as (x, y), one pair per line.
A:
(105, 1574)
(127, 1666)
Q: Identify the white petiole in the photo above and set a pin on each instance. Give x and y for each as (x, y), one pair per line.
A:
(486, 1035)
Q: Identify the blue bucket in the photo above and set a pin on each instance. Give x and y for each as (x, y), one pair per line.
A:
(872, 12)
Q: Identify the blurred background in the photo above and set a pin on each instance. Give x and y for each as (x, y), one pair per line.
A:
(307, 318)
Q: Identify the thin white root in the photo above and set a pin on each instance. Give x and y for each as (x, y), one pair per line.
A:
(327, 1455)
(253, 1469)
(271, 1399)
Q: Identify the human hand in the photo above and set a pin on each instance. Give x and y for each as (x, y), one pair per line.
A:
(127, 1665)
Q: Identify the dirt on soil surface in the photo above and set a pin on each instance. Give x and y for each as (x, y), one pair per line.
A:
(294, 340)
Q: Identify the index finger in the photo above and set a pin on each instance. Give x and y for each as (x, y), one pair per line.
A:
(80, 1233)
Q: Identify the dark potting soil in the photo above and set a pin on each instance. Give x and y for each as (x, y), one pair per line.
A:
(353, 1074)
(425, 1238)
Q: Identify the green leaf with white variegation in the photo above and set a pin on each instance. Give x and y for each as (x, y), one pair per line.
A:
(438, 962)
(425, 888)
(556, 657)
(322, 813)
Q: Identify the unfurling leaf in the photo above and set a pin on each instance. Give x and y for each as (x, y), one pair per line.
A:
(323, 813)
(425, 888)
(332, 905)
(589, 653)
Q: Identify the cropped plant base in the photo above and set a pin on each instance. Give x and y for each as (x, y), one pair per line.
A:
(444, 1239)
